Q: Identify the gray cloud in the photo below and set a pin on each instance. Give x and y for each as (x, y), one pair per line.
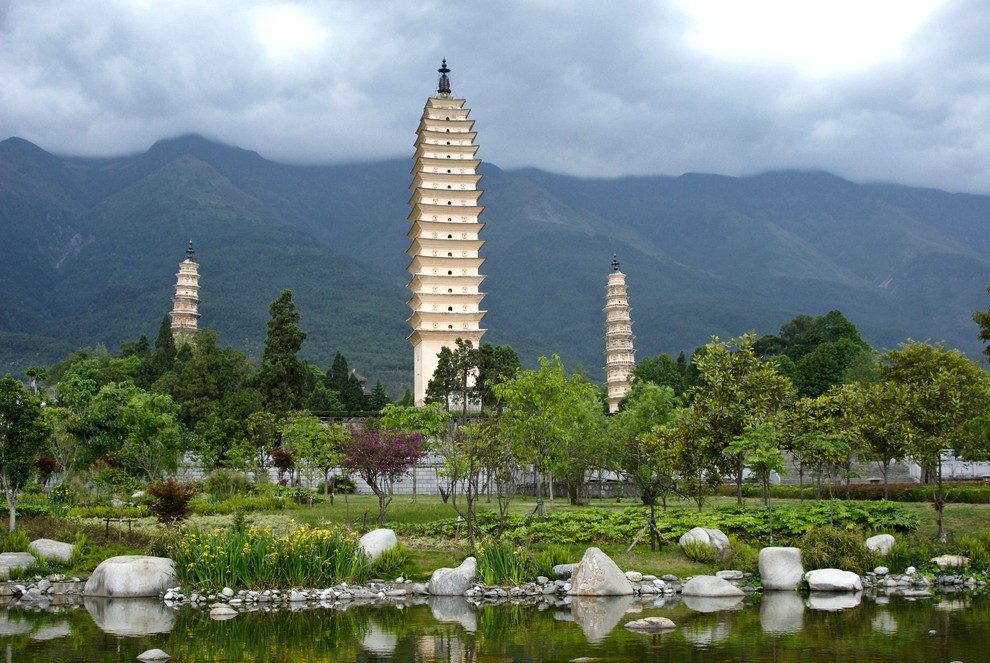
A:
(572, 87)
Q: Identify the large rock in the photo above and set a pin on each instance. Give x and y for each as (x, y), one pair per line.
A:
(880, 544)
(713, 537)
(710, 586)
(597, 575)
(833, 580)
(377, 541)
(453, 582)
(131, 576)
(944, 561)
(14, 560)
(780, 568)
(53, 550)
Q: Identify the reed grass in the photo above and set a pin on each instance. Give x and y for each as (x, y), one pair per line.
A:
(254, 557)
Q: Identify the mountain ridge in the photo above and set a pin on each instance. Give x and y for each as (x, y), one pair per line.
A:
(90, 248)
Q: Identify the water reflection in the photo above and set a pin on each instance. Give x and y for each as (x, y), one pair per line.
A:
(781, 612)
(130, 616)
(599, 615)
(783, 627)
(833, 601)
(713, 603)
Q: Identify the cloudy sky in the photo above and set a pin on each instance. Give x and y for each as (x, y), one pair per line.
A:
(872, 90)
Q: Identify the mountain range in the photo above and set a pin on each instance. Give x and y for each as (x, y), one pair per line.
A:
(89, 249)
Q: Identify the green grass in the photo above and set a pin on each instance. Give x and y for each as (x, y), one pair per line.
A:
(428, 552)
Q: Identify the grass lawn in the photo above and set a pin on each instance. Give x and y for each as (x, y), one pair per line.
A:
(429, 553)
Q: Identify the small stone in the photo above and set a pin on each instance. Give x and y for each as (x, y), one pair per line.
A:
(881, 570)
(153, 655)
(227, 592)
(651, 624)
(634, 576)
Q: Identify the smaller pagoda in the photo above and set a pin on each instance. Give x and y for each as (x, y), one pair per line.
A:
(620, 356)
(185, 303)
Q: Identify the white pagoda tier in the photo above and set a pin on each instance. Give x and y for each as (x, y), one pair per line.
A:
(445, 247)
(620, 356)
(185, 303)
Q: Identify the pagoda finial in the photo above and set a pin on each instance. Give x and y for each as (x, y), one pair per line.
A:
(615, 263)
(444, 86)
(189, 251)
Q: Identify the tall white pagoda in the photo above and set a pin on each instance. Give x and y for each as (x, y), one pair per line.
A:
(620, 356)
(185, 303)
(444, 265)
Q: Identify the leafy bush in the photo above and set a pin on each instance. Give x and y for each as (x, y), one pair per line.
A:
(240, 504)
(828, 547)
(500, 563)
(339, 485)
(171, 503)
(108, 511)
(699, 551)
(222, 484)
(741, 556)
(549, 556)
(16, 541)
(391, 563)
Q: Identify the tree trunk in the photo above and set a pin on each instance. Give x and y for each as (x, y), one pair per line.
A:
(11, 508)
(739, 480)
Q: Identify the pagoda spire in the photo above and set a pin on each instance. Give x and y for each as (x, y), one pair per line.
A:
(444, 86)
(620, 356)
(445, 247)
(185, 303)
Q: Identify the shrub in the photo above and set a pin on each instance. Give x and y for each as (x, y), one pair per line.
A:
(16, 541)
(171, 503)
(549, 556)
(222, 484)
(500, 563)
(828, 547)
(741, 556)
(108, 512)
(253, 557)
(240, 504)
(699, 551)
(391, 563)
(339, 485)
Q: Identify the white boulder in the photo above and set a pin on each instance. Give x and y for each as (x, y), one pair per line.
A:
(715, 538)
(880, 544)
(14, 560)
(377, 541)
(597, 575)
(453, 582)
(833, 580)
(710, 586)
(56, 551)
(780, 568)
(131, 576)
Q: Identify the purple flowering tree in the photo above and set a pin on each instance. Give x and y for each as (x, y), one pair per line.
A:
(380, 457)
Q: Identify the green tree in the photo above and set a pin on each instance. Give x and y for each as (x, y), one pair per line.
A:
(544, 413)
(982, 319)
(318, 448)
(945, 393)
(763, 455)
(646, 406)
(737, 392)
(878, 416)
(22, 436)
(495, 365)
(661, 370)
(282, 376)
(443, 383)
(377, 399)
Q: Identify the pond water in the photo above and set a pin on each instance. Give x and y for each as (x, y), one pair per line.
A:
(776, 626)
